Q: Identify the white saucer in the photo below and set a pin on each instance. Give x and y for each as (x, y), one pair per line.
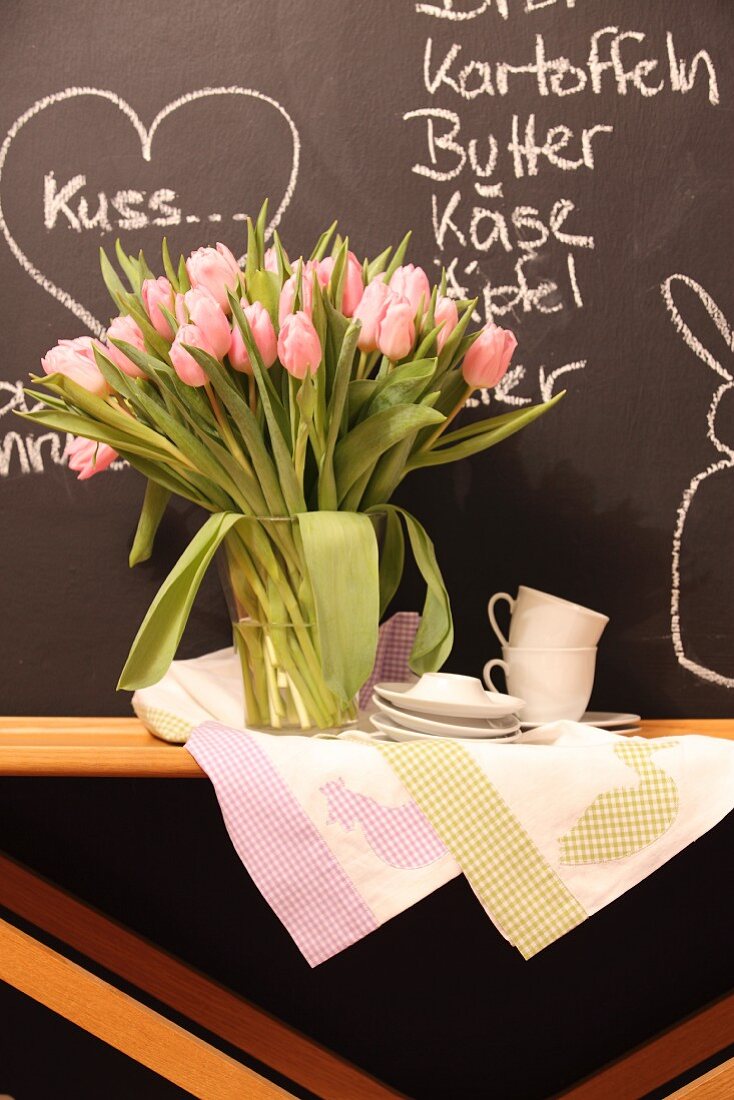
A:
(385, 724)
(602, 719)
(457, 728)
(497, 705)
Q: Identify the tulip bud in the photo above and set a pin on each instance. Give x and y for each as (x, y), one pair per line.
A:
(288, 290)
(86, 457)
(209, 317)
(125, 328)
(75, 359)
(445, 314)
(156, 293)
(263, 334)
(396, 330)
(184, 363)
(271, 260)
(488, 358)
(353, 287)
(370, 311)
(299, 347)
(411, 282)
(216, 270)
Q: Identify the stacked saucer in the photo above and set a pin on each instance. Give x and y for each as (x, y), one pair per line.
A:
(444, 705)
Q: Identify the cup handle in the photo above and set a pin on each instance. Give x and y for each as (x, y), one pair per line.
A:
(496, 662)
(490, 611)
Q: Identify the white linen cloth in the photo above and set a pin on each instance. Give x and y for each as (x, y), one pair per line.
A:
(342, 833)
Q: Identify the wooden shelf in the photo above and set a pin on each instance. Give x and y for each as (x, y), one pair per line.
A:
(110, 747)
(123, 748)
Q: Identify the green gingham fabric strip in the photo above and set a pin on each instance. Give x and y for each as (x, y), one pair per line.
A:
(505, 868)
(622, 821)
(167, 726)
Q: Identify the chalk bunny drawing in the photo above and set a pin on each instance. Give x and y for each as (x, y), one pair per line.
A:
(398, 835)
(727, 382)
(624, 820)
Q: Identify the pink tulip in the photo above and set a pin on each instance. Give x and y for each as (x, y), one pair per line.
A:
(488, 358)
(299, 347)
(411, 282)
(125, 328)
(396, 330)
(209, 317)
(447, 315)
(86, 457)
(322, 268)
(75, 359)
(263, 334)
(184, 363)
(353, 284)
(370, 312)
(288, 292)
(271, 260)
(156, 293)
(216, 270)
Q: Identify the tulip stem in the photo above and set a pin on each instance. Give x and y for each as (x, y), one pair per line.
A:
(468, 391)
(224, 425)
(252, 392)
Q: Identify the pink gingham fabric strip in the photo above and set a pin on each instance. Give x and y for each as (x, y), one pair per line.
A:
(288, 860)
(393, 648)
(401, 836)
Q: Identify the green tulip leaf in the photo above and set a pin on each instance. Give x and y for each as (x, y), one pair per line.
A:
(323, 243)
(358, 451)
(168, 266)
(160, 632)
(435, 637)
(154, 505)
(340, 550)
(403, 385)
(392, 558)
(448, 450)
(327, 480)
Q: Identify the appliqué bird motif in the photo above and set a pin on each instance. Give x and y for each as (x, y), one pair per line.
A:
(624, 820)
(400, 836)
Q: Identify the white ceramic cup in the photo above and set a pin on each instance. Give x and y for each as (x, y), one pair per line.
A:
(542, 621)
(555, 683)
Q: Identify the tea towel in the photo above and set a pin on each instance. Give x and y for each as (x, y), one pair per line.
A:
(341, 834)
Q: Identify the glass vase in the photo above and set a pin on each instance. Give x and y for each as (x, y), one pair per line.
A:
(271, 606)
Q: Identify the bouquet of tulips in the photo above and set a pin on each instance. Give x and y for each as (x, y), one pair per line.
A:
(289, 400)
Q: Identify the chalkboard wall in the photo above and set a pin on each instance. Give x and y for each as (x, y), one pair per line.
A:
(569, 162)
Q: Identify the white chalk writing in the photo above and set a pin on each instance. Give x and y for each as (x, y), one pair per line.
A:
(128, 209)
(518, 254)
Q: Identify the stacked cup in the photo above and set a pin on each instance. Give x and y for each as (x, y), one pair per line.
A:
(549, 654)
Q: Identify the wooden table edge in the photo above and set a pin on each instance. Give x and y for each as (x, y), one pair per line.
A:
(123, 748)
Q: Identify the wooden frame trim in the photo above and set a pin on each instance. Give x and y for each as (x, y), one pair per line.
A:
(123, 748)
(717, 1084)
(124, 1023)
(108, 747)
(183, 989)
(674, 1051)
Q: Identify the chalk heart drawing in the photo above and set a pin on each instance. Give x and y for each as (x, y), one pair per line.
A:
(725, 374)
(146, 135)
